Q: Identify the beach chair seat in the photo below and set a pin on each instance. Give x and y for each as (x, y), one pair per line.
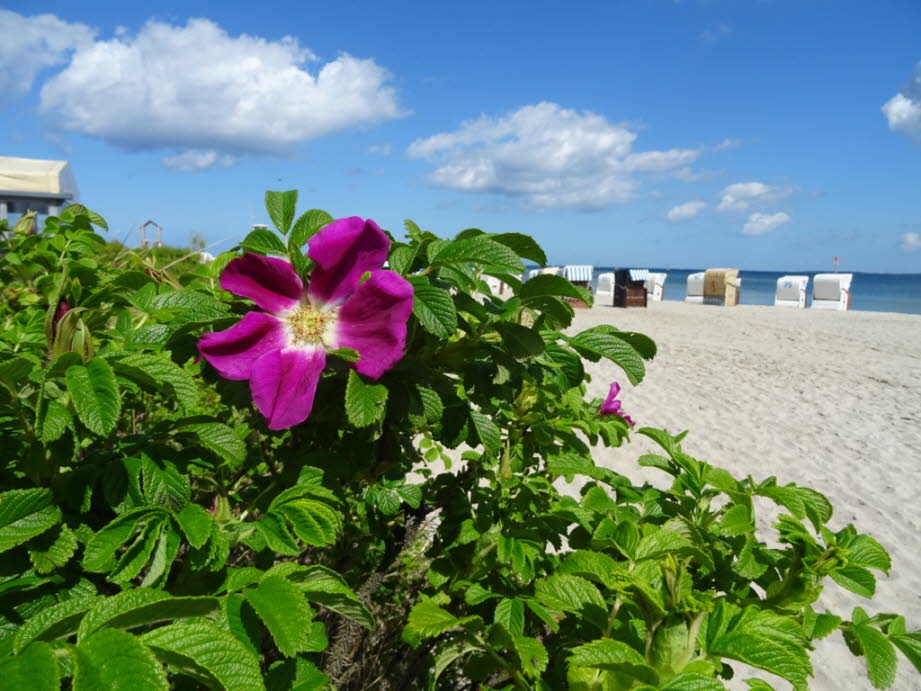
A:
(655, 286)
(791, 291)
(604, 291)
(831, 291)
(695, 292)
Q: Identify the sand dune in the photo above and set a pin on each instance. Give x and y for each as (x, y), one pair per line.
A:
(830, 400)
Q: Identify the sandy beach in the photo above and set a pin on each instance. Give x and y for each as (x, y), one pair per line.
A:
(829, 400)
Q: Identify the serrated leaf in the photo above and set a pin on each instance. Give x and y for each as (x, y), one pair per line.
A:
(523, 245)
(879, 653)
(130, 563)
(488, 431)
(314, 522)
(208, 654)
(856, 579)
(569, 593)
(614, 656)
(277, 536)
(692, 682)
(428, 620)
(112, 659)
(296, 675)
(53, 421)
(325, 587)
(263, 241)
(280, 207)
(510, 614)
(521, 341)
(747, 564)
(595, 566)
(153, 371)
(660, 543)
(863, 550)
(141, 606)
(401, 258)
(24, 514)
(220, 439)
(100, 551)
(435, 310)
(737, 520)
(570, 465)
(36, 669)
(910, 645)
(52, 550)
(57, 621)
(307, 225)
(532, 655)
(163, 484)
(596, 344)
(365, 404)
(195, 522)
(449, 654)
(480, 250)
(284, 611)
(94, 392)
(544, 285)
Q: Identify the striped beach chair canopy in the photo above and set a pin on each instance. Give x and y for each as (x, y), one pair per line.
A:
(639, 274)
(578, 272)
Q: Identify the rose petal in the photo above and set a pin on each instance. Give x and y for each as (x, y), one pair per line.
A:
(269, 282)
(343, 251)
(373, 322)
(283, 384)
(615, 390)
(629, 420)
(233, 351)
(609, 408)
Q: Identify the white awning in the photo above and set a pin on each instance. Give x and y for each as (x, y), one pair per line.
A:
(37, 178)
(639, 274)
(578, 272)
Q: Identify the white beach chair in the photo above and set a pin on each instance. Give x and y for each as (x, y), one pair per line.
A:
(496, 287)
(832, 291)
(695, 292)
(604, 291)
(791, 291)
(554, 270)
(655, 286)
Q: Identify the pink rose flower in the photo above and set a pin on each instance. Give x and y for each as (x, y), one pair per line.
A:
(282, 350)
(612, 406)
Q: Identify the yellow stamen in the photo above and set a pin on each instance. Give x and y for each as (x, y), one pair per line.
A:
(310, 326)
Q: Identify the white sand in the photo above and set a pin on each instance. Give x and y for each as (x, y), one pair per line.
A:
(829, 400)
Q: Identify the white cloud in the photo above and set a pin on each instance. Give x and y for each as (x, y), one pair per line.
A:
(727, 144)
(546, 155)
(911, 241)
(903, 111)
(196, 87)
(380, 150)
(740, 196)
(685, 211)
(31, 44)
(196, 159)
(759, 224)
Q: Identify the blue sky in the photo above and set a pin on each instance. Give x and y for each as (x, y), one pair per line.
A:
(764, 135)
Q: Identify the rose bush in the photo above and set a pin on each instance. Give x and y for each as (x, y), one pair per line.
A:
(302, 471)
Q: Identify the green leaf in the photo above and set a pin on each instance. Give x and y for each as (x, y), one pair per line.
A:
(595, 566)
(692, 682)
(25, 513)
(548, 285)
(521, 341)
(737, 520)
(314, 522)
(532, 655)
(449, 654)
(879, 653)
(141, 606)
(427, 619)
(325, 587)
(307, 225)
(164, 485)
(263, 241)
(856, 579)
(52, 550)
(568, 593)
(36, 669)
(53, 421)
(113, 659)
(281, 206)
(208, 654)
(910, 645)
(488, 431)
(100, 551)
(595, 344)
(296, 675)
(758, 685)
(863, 550)
(220, 439)
(401, 258)
(523, 245)
(277, 536)
(195, 522)
(660, 543)
(480, 250)
(569, 465)
(510, 614)
(284, 610)
(365, 404)
(138, 553)
(614, 656)
(57, 621)
(434, 309)
(747, 564)
(94, 392)
(153, 371)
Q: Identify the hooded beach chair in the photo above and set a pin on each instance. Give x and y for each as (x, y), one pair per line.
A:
(579, 275)
(695, 292)
(604, 291)
(791, 291)
(655, 287)
(832, 291)
(721, 287)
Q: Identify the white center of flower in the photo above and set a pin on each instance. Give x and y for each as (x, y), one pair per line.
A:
(309, 326)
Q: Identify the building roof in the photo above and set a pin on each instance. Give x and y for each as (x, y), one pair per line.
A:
(36, 178)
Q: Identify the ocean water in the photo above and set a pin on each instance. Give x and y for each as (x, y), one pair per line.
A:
(872, 292)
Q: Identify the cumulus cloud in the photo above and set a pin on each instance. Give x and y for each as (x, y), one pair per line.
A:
(903, 111)
(197, 87)
(685, 211)
(740, 196)
(31, 44)
(911, 241)
(547, 156)
(759, 224)
(196, 159)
